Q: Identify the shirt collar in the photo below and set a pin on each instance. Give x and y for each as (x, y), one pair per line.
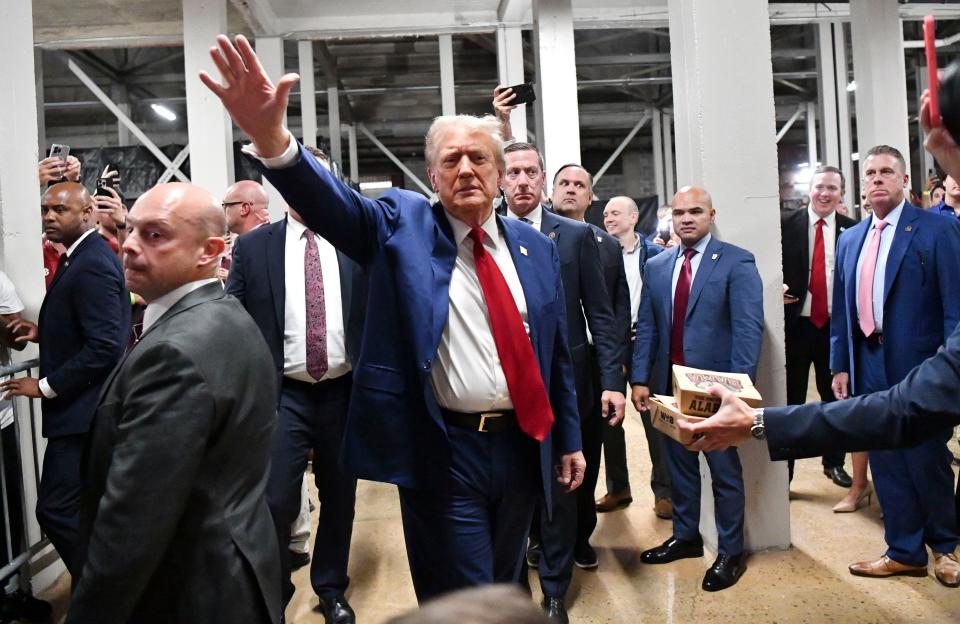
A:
(159, 306)
(892, 219)
(295, 228)
(633, 248)
(535, 215)
(700, 246)
(830, 219)
(77, 242)
(461, 229)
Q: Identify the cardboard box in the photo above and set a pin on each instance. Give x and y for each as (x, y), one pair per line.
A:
(690, 387)
(664, 414)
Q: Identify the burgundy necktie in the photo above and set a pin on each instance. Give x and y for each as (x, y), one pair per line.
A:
(529, 396)
(818, 281)
(316, 310)
(680, 298)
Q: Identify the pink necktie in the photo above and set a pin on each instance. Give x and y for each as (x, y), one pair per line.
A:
(316, 310)
(867, 270)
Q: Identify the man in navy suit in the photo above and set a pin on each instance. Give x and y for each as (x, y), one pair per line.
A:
(701, 306)
(271, 276)
(83, 327)
(463, 390)
(896, 299)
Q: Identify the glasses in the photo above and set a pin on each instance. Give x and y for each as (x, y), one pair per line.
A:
(226, 205)
(886, 174)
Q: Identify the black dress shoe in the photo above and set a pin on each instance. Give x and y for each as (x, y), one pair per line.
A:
(534, 550)
(673, 549)
(298, 560)
(584, 556)
(22, 607)
(336, 610)
(725, 572)
(555, 610)
(839, 476)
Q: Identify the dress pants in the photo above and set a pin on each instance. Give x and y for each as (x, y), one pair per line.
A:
(913, 484)
(807, 345)
(58, 497)
(313, 416)
(725, 472)
(472, 530)
(615, 460)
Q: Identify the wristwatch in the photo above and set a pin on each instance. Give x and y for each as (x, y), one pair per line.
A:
(758, 431)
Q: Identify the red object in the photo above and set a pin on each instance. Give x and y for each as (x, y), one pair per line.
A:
(681, 296)
(51, 261)
(529, 396)
(818, 281)
(933, 81)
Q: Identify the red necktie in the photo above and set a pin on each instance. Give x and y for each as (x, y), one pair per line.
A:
(680, 298)
(818, 281)
(529, 396)
(316, 310)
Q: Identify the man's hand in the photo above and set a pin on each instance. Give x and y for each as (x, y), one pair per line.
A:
(24, 331)
(939, 142)
(619, 403)
(72, 170)
(571, 470)
(251, 99)
(639, 396)
(49, 170)
(21, 386)
(728, 427)
(841, 385)
(502, 96)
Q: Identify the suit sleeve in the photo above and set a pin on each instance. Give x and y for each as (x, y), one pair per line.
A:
(167, 420)
(647, 338)
(839, 347)
(623, 315)
(948, 275)
(354, 224)
(598, 310)
(236, 279)
(745, 298)
(101, 305)
(922, 405)
(563, 396)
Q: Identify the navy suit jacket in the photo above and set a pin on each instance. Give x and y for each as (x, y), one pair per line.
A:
(84, 325)
(615, 281)
(724, 322)
(258, 279)
(921, 299)
(395, 432)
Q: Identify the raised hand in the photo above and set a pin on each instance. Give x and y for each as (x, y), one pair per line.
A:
(254, 103)
(939, 142)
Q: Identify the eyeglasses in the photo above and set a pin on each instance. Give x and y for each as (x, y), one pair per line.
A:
(226, 205)
(885, 173)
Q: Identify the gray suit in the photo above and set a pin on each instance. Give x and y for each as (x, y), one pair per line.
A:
(174, 524)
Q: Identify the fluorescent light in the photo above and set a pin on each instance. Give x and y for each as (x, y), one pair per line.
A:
(803, 165)
(855, 156)
(852, 85)
(164, 112)
(376, 186)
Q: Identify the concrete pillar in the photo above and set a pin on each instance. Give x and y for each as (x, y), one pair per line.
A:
(718, 136)
(657, 135)
(510, 72)
(447, 88)
(558, 127)
(670, 180)
(308, 98)
(333, 123)
(209, 128)
(634, 183)
(811, 119)
(41, 117)
(926, 164)
(881, 76)
(352, 145)
(121, 95)
(270, 51)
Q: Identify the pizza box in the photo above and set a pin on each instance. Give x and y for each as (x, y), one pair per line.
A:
(664, 414)
(690, 387)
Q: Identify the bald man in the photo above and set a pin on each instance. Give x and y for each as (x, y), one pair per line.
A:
(83, 326)
(174, 523)
(702, 307)
(245, 206)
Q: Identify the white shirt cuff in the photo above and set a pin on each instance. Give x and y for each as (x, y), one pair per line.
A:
(46, 390)
(287, 158)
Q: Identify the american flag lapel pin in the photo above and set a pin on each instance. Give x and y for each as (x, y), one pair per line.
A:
(909, 228)
(715, 256)
(523, 250)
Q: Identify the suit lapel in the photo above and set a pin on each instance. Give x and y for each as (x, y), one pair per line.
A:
(442, 259)
(526, 270)
(803, 237)
(901, 241)
(550, 225)
(707, 263)
(84, 244)
(276, 269)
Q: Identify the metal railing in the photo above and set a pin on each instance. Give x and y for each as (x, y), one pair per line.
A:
(22, 487)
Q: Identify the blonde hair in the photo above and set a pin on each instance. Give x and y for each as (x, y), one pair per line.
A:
(488, 125)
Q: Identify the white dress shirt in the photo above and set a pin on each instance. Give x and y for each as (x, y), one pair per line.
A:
(631, 265)
(879, 276)
(701, 247)
(829, 251)
(159, 306)
(295, 307)
(535, 217)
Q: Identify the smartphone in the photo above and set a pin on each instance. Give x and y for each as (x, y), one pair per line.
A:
(525, 93)
(60, 151)
(930, 44)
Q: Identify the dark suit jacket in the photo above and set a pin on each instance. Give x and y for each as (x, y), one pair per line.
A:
(921, 299)
(920, 406)
(615, 281)
(84, 325)
(724, 322)
(174, 524)
(795, 243)
(257, 279)
(395, 432)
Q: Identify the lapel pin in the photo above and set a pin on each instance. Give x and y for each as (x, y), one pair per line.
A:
(599, 240)
(715, 256)
(552, 235)
(523, 250)
(909, 228)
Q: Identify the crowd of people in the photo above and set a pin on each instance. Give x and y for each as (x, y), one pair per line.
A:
(477, 352)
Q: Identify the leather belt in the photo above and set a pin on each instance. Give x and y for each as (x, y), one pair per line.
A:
(874, 339)
(483, 422)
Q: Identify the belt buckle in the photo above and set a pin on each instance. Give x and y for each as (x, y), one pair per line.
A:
(483, 420)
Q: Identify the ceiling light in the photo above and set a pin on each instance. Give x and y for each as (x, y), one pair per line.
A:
(855, 156)
(852, 85)
(164, 112)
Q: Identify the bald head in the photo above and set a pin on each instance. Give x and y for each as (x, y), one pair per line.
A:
(66, 210)
(693, 214)
(695, 194)
(620, 217)
(245, 206)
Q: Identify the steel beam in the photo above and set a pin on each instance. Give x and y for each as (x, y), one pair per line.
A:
(801, 109)
(383, 148)
(623, 144)
(175, 165)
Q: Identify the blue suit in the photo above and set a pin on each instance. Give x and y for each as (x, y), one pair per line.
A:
(395, 431)
(310, 416)
(722, 332)
(921, 307)
(84, 324)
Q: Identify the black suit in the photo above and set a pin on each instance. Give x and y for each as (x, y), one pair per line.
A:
(84, 324)
(310, 416)
(175, 527)
(806, 344)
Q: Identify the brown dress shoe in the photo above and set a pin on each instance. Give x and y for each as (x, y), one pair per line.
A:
(946, 567)
(885, 566)
(663, 508)
(612, 502)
